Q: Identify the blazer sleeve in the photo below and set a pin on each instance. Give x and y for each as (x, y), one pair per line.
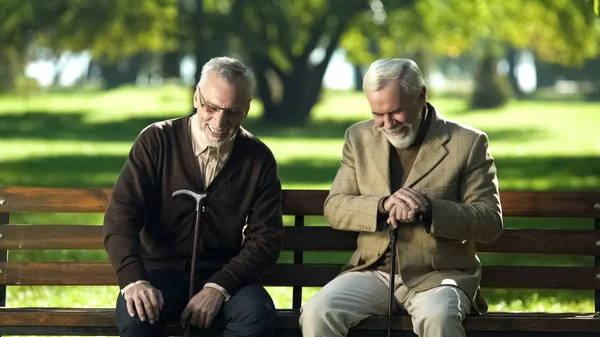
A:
(478, 214)
(345, 208)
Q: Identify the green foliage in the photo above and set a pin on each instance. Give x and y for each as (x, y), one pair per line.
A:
(109, 28)
(564, 31)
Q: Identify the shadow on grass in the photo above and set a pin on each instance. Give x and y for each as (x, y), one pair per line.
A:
(549, 173)
(555, 173)
(321, 129)
(520, 135)
(308, 171)
(69, 126)
(62, 171)
(73, 126)
(103, 170)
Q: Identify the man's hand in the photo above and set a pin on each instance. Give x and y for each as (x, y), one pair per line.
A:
(403, 206)
(202, 308)
(146, 300)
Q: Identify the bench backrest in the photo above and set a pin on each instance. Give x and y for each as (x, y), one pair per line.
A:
(300, 240)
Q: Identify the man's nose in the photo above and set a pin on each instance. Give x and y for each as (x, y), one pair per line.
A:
(388, 122)
(220, 119)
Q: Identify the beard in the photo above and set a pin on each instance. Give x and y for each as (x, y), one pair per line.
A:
(403, 136)
(226, 134)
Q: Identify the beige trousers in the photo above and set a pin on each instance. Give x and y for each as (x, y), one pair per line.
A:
(354, 296)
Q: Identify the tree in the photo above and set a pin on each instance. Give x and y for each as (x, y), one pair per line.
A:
(282, 41)
(110, 29)
(564, 31)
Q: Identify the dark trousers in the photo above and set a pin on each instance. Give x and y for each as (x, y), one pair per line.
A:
(249, 312)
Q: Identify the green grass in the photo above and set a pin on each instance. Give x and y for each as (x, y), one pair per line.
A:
(81, 140)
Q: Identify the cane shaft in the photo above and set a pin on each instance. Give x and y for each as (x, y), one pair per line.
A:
(392, 297)
(199, 221)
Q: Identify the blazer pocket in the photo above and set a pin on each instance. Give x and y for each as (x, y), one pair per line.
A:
(440, 261)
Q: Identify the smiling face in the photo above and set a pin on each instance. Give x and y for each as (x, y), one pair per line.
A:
(397, 114)
(221, 107)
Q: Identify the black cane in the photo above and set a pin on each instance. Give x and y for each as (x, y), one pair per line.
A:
(392, 298)
(200, 200)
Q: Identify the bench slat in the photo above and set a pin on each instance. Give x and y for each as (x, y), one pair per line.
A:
(101, 321)
(101, 273)
(582, 242)
(297, 202)
(42, 199)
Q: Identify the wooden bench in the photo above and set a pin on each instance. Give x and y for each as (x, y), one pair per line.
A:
(300, 241)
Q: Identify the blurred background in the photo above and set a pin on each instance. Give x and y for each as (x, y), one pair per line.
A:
(79, 79)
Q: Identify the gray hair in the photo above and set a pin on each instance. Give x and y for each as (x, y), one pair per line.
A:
(405, 71)
(229, 69)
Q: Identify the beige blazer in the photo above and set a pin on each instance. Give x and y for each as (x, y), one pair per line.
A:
(456, 170)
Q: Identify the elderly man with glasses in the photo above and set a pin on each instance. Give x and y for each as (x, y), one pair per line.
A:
(149, 236)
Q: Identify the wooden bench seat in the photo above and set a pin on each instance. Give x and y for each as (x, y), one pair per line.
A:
(297, 272)
(93, 321)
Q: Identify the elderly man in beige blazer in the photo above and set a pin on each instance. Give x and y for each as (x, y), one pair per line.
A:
(408, 160)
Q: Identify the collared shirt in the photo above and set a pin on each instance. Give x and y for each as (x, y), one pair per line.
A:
(211, 159)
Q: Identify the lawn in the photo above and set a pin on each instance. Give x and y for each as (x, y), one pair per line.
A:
(80, 139)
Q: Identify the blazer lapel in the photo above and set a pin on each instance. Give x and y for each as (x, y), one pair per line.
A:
(432, 149)
(379, 155)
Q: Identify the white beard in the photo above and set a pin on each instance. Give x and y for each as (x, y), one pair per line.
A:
(402, 142)
(406, 140)
(212, 142)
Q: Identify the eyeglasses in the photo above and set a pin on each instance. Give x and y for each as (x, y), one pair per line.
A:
(213, 109)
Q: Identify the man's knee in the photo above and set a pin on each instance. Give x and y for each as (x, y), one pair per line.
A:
(320, 314)
(132, 326)
(253, 319)
(442, 315)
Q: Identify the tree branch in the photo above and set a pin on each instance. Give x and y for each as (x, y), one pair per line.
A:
(316, 32)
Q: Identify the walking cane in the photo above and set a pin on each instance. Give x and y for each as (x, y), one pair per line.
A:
(200, 201)
(392, 298)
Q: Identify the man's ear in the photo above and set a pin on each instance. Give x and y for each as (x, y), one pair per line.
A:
(196, 98)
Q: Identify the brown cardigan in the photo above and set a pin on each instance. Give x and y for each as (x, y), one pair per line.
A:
(145, 226)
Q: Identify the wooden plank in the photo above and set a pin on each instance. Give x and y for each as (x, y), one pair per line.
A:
(578, 242)
(298, 202)
(309, 275)
(288, 320)
(41, 199)
(303, 202)
(34, 237)
(550, 204)
(546, 241)
(540, 277)
(581, 242)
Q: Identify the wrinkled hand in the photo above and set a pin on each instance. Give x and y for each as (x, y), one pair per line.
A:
(403, 206)
(146, 300)
(202, 308)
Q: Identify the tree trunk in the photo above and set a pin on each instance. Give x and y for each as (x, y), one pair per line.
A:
(512, 57)
(124, 71)
(8, 73)
(302, 87)
(358, 77)
(491, 89)
(301, 92)
(170, 64)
